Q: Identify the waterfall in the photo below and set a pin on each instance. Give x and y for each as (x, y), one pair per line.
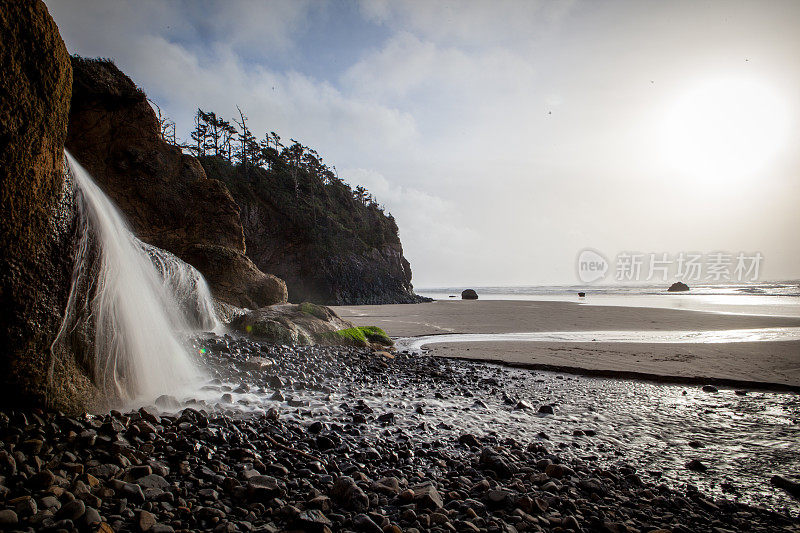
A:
(129, 304)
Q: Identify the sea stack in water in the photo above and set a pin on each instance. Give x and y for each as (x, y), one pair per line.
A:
(678, 286)
(469, 294)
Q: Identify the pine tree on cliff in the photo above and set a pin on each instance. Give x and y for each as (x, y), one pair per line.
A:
(228, 132)
(361, 194)
(249, 151)
(294, 155)
(215, 132)
(199, 133)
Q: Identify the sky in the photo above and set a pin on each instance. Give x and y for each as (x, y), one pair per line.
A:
(505, 137)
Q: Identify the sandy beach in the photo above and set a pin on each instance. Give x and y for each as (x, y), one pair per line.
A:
(767, 364)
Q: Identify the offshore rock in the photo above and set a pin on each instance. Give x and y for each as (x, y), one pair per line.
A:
(678, 286)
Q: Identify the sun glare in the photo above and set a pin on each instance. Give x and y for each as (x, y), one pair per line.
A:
(725, 130)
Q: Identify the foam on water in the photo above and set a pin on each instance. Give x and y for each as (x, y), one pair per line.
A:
(129, 304)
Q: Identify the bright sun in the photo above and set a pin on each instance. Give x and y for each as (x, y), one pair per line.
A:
(724, 130)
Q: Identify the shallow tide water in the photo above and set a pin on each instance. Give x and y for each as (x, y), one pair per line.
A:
(656, 428)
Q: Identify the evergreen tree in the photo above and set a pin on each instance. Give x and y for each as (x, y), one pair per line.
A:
(199, 134)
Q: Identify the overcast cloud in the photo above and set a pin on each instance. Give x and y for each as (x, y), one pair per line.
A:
(504, 136)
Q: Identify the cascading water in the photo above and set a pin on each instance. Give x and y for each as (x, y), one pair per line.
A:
(128, 304)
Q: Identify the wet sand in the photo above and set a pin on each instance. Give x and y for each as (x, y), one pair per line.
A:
(768, 364)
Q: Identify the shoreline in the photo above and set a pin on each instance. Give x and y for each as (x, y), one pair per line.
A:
(351, 439)
(771, 365)
(639, 376)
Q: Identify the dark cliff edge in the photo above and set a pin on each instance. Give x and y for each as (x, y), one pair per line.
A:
(329, 247)
(37, 212)
(164, 193)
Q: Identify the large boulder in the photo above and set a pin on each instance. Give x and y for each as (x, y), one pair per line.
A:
(37, 212)
(234, 277)
(164, 193)
(469, 294)
(304, 323)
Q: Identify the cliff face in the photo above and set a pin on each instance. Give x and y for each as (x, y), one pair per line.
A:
(37, 213)
(375, 275)
(329, 247)
(164, 193)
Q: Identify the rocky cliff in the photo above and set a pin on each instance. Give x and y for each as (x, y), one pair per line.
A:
(233, 224)
(37, 213)
(164, 193)
(328, 246)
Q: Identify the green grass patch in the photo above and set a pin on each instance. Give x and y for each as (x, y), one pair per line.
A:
(363, 335)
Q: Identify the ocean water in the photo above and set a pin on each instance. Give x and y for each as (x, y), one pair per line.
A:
(764, 298)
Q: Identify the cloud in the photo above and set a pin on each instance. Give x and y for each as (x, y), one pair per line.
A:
(250, 27)
(470, 22)
(503, 136)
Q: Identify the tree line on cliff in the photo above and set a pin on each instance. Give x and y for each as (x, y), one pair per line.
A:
(333, 215)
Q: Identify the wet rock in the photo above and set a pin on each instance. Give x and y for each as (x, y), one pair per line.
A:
(364, 523)
(498, 497)
(426, 496)
(132, 492)
(469, 440)
(25, 506)
(789, 485)
(277, 396)
(696, 466)
(492, 460)
(8, 518)
(313, 521)
(167, 402)
(351, 496)
(263, 488)
(91, 517)
(71, 510)
(523, 405)
(570, 523)
(43, 480)
(153, 481)
(32, 446)
(386, 418)
(146, 521)
(258, 363)
(554, 471)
